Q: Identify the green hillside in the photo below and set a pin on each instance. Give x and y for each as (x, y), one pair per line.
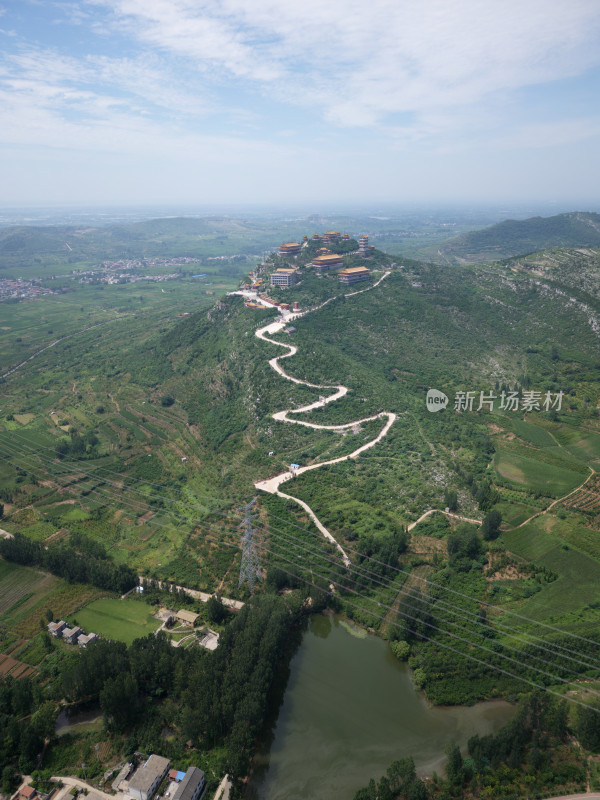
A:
(162, 426)
(514, 237)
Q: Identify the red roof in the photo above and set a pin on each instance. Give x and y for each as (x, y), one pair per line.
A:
(27, 791)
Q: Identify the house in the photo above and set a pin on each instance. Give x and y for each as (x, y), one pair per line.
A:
(294, 466)
(284, 277)
(56, 628)
(191, 786)
(147, 778)
(27, 792)
(187, 617)
(86, 639)
(123, 774)
(331, 236)
(353, 275)
(176, 775)
(71, 635)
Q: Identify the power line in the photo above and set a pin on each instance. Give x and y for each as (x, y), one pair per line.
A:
(449, 633)
(529, 638)
(448, 607)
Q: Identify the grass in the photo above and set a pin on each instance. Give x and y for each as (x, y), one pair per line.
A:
(123, 620)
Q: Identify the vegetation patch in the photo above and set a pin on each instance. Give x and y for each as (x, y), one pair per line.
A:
(121, 620)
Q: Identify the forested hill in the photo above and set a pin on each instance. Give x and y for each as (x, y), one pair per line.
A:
(515, 237)
(170, 237)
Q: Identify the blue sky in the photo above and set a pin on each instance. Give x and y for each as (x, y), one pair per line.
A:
(197, 101)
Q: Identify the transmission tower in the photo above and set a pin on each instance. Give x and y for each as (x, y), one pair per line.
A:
(250, 568)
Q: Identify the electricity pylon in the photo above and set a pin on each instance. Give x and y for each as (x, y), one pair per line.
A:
(250, 568)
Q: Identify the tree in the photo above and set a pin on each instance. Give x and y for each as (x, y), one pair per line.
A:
(401, 650)
(451, 499)
(490, 527)
(118, 701)
(454, 767)
(419, 677)
(215, 610)
(588, 726)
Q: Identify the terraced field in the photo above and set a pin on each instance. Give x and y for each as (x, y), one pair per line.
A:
(16, 585)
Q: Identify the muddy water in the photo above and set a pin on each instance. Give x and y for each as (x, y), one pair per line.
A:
(348, 711)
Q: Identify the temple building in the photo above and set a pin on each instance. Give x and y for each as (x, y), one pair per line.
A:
(289, 249)
(327, 262)
(353, 275)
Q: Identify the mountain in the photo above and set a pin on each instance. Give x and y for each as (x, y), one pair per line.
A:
(515, 237)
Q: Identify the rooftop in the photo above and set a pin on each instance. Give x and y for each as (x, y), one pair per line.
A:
(328, 257)
(352, 270)
(194, 777)
(145, 775)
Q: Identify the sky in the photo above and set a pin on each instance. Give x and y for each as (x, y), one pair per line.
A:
(277, 101)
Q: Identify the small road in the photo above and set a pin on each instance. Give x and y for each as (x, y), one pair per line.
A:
(272, 485)
(203, 596)
(584, 796)
(555, 502)
(446, 513)
(70, 782)
(224, 789)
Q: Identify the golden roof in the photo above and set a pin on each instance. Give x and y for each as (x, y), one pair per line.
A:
(352, 270)
(326, 258)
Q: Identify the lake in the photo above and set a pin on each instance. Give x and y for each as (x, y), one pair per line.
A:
(348, 711)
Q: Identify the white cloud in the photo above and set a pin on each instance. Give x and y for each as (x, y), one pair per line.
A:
(365, 61)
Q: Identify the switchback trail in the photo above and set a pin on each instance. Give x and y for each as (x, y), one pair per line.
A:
(272, 485)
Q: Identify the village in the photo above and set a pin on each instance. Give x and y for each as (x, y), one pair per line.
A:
(143, 778)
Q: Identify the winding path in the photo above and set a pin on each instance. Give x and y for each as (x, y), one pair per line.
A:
(272, 485)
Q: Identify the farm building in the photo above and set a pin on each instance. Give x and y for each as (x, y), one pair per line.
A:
(71, 635)
(87, 638)
(56, 628)
(148, 777)
(191, 786)
(187, 617)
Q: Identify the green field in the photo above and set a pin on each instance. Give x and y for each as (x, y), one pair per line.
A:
(123, 620)
(565, 548)
(16, 585)
(553, 480)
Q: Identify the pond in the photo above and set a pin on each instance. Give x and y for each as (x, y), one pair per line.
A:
(348, 711)
(75, 719)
